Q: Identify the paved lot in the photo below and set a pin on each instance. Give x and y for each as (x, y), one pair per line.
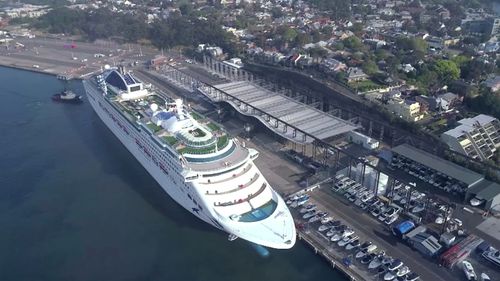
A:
(380, 234)
(69, 58)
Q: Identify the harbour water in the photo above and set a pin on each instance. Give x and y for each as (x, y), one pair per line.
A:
(75, 205)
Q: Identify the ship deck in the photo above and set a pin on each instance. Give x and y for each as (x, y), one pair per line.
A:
(199, 156)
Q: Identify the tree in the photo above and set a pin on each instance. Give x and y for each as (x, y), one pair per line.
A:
(302, 38)
(353, 43)
(289, 34)
(427, 80)
(357, 28)
(447, 70)
(381, 54)
(412, 44)
(461, 60)
(475, 69)
(277, 12)
(186, 8)
(486, 102)
(316, 36)
(370, 67)
(317, 52)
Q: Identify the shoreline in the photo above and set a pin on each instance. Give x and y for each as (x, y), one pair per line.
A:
(36, 70)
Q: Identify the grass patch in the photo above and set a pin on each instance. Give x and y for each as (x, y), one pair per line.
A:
(365, 85)
(213, 127)
(170, 140)
(153, 127)
(196, 116)
(198, 133)
(195, 150)
(222, 142)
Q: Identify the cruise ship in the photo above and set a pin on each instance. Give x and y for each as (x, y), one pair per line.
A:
(200, 166)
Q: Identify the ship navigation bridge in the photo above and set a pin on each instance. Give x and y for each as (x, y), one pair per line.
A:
(284, 115)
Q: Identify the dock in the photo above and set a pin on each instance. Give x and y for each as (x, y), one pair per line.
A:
(321, 247)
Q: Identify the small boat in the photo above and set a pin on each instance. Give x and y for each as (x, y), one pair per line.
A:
(412, 277)
(402, 271)
(376, 262)
(366, 251)
(326, 219)
(395, 265)
(381, 271)
(476, 202)
(314, 219)
(322, 214)
(307, 208)
(365, 245)
(368, 258)
(301, 200)
(346, 240)
(386, 261)
(354, 244)
(331, 232)
(484, 277)
(324, 227)
(341, 234)
(390, 275)
(419, 208)
(309, 214)
(67, 96)
(469, 271)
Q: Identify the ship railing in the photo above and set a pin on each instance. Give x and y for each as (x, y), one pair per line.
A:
(239, 187)
(244, 171)
(242, 200)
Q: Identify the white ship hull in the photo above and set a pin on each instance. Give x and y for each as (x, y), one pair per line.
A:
(167, 171)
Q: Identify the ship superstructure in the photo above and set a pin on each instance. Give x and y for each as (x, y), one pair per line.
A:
(195, 161)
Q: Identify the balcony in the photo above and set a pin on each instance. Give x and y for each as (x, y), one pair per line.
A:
(243, 200)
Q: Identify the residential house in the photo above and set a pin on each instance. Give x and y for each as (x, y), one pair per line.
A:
(355, 74)
(332, 65)
(493, 83)
(448, 101)
(427, 103)
(408, 110)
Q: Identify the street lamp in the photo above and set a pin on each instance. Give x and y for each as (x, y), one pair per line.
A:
(247, 131)
(219, 113)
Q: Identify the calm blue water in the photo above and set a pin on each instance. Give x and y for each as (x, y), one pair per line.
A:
(74, 205)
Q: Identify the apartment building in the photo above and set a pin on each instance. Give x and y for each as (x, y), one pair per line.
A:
(409, 110)
(477, 137)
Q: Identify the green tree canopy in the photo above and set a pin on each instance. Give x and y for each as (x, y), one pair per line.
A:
(370, 67)
(412, 44)
(353, 43)
(288, 34)
(447, 70)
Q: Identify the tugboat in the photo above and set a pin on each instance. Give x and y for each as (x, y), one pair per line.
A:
(68, 97)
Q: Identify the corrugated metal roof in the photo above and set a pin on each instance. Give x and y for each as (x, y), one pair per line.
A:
(428, 241)
(307, 118)
(489, 192)
(439, 164)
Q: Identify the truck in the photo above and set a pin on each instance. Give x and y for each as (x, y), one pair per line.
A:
(403, 227)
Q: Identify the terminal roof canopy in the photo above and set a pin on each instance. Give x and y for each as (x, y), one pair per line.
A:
(446, 167)
(304, 117)
(490, 191)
